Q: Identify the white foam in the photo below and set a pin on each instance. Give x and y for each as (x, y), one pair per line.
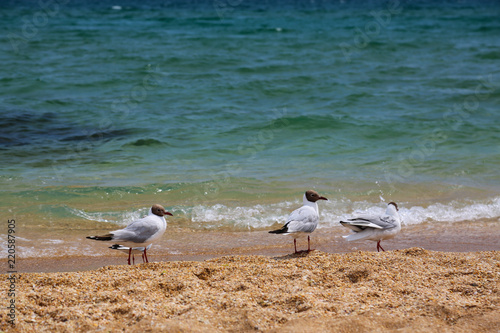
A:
(454, 211)
(257, 216)
(333, 211)
(52, 241)
(121, 218)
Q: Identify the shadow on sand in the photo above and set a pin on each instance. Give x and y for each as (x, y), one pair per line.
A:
(300, 254)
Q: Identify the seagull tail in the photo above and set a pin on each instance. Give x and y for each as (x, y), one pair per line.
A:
(107, 237)
(283, 230)
(355, 237)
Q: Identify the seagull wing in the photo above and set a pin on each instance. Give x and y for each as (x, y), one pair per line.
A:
(374, 222)
(138, 231)
(304, 219)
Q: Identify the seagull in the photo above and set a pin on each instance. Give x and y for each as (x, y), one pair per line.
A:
(375, 228)
(139, 233)
(302, 221)
(135, 250)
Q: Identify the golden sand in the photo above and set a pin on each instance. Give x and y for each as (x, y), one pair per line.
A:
(412, 290)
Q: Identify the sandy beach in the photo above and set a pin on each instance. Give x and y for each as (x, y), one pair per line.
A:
(405, 290)
(411, 290)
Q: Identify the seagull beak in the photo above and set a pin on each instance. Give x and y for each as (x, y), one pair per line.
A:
(323, 198)
(168, 213)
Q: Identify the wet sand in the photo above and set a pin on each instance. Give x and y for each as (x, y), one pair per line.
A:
(189, 245)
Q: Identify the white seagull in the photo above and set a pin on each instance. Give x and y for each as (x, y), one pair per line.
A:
(302, 221)
(135, 250)
(139, 233)
(375, 228)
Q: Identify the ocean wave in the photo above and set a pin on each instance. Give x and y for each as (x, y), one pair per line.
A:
(121, 218)
(262, 216)
(454, 211)
(258, 216)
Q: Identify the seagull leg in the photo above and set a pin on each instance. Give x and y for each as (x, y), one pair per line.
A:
(379, 246)
(295, 244)
(133, 259)
(145, 255)
(309, 245)
(129, 253)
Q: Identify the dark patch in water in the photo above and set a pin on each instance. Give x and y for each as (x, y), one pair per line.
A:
(20, 128)
(98, 135)
(492, 55)
(145, 143)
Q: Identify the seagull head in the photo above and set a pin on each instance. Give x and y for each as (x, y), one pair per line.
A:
(313, 196)
(392, 209)
(159, 210)
(394, 204)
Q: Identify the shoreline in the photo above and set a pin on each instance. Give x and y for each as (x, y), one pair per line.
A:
(179, 245)
(409, 290)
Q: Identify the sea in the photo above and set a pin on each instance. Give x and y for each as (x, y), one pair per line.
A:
(227, 111)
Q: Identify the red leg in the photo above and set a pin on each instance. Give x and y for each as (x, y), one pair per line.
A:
(133, 259)
(129, 253)
(379, 246)
(295, 244)
(309, 245)
(145, 255)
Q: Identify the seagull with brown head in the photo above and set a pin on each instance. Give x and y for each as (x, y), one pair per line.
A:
(140, 233)
(303, 220)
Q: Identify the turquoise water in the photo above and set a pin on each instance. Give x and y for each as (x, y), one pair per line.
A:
(226, 111)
